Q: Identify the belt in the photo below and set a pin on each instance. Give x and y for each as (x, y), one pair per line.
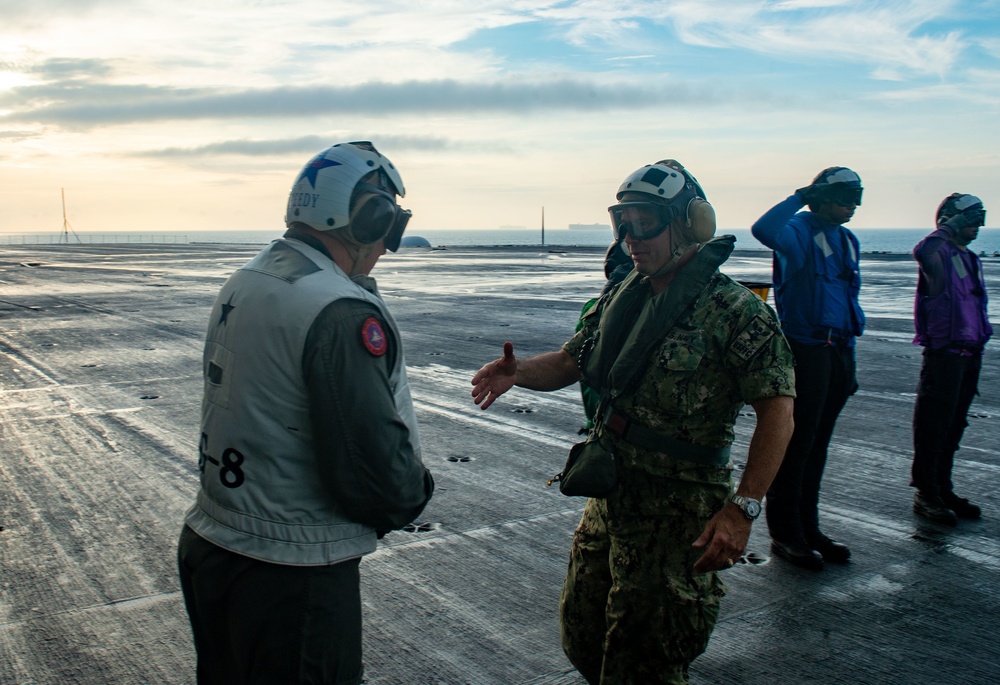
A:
(831, 337)
(962, 350)
(650, 439)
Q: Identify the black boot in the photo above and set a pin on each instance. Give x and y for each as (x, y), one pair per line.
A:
(799, 553)
(963, 508)
(831, 550)
(933, 508)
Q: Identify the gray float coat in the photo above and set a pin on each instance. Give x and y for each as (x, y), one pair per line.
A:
(260, 494)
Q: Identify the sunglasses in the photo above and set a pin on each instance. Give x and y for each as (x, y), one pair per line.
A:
(641, 220)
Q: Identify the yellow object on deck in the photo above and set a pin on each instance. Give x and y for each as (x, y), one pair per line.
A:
(759, 288)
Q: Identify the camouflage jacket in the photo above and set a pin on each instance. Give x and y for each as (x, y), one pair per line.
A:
(724, 351)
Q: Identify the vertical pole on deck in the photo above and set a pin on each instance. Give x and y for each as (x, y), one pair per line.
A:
(65, 232)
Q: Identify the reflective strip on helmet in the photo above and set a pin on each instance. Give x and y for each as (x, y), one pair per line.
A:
(967, 202)
(843, 175)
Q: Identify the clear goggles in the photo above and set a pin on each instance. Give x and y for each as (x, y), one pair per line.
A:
(845, 195)
(641, 220)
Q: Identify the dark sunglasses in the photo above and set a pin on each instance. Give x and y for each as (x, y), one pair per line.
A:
(395, 234)
(845, 197)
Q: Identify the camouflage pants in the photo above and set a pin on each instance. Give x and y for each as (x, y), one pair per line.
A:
(632, 609)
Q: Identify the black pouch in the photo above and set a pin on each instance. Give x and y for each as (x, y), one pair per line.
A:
(590, 471)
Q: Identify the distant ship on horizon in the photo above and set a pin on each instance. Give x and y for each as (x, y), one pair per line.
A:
(590, 227)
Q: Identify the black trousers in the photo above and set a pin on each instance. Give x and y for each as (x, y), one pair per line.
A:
(824, 378)
(948, 384)
(259, 623)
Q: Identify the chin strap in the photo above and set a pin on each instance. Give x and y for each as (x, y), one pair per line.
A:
(357, 251)
(678, 259)
(682, 243)
(358, 254)
(694, 231)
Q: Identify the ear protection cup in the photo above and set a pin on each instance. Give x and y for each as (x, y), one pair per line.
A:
(700, 220)
(372, 216)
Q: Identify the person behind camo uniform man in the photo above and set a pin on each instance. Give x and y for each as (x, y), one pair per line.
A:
(816, 284)
(953, 327)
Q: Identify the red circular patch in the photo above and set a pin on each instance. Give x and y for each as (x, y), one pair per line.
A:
(373, 336)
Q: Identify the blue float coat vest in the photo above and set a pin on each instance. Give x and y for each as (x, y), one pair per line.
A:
(260, 492)
(817, 281)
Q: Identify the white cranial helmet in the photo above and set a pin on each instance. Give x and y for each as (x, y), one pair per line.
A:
(322, 193)
(668, 184)
(667, 180)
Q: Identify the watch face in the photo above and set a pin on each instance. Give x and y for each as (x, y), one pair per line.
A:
(752, 508)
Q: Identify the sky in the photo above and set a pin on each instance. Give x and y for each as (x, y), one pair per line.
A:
(172, 115)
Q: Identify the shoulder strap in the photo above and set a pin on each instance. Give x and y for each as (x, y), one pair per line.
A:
(662, 312)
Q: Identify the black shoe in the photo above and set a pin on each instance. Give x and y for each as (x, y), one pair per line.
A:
(933, 508)
(831, 550)
(798, 553)
(963, 508)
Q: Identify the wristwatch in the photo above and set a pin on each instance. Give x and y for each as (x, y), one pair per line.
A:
(749, 506)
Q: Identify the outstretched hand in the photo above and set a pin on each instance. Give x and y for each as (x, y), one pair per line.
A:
(725, 538)
(495, 378)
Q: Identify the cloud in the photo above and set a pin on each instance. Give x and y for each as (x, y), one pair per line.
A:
(96, 104)
(17, 136)
(303, 144)
(889, 36)
(991, 46)
(12, 10)
(64, 68)
(885, 35)
(982, 89)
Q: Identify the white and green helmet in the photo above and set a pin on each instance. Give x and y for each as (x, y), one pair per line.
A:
(667, 180)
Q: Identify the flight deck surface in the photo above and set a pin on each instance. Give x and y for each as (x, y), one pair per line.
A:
(100, 388)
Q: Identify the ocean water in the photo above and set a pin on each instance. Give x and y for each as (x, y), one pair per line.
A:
(888, 240)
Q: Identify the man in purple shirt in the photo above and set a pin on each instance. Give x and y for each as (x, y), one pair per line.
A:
(952, 326)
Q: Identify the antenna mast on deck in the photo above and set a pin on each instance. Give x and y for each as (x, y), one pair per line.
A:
(543, 226)
(67, 229)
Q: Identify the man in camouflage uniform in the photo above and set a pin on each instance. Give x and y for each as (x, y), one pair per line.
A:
(675, 351)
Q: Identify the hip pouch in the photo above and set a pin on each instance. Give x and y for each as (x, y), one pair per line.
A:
(590, 470)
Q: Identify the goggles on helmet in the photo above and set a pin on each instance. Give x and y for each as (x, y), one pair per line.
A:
(844, 195)
(975, 217)
(376, 215)
(395, 234)
(641, 220)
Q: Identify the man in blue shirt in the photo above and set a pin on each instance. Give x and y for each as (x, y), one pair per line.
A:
(816, 281)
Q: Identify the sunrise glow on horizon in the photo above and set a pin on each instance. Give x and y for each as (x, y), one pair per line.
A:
(166, 116)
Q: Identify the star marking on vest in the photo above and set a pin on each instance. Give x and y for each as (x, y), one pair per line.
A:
(227, 308)
(312, 169)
